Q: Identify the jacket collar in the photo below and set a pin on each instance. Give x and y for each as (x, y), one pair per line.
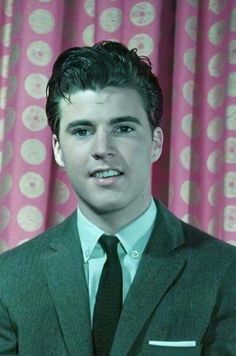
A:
(160, 266)
(65, 276)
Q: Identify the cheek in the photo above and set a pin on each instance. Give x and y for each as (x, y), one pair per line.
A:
(141, 159)
(74, 166)
(74, 155)
(143, 153)
(140, 148)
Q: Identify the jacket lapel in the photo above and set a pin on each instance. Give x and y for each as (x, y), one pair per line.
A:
(66, 280)
(160, 266)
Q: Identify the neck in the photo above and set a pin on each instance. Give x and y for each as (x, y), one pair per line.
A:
(113, 221)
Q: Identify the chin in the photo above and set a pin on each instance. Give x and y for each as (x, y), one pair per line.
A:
(106, 206)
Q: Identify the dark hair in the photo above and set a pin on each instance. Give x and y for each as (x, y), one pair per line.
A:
(105, 64)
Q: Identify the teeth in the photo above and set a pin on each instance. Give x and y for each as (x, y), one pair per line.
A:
(105, 174)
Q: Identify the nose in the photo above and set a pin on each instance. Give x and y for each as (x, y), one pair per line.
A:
(102, 145)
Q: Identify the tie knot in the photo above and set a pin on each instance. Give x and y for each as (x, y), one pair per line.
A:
(109, 244)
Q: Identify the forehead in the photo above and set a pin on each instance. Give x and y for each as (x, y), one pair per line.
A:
(106, 103)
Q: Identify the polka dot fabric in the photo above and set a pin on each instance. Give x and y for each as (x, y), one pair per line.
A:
(193, 50)
(35, 194)
(203, 126)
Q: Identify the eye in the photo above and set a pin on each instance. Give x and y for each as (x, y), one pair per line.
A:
(81, 132)
(124, 129)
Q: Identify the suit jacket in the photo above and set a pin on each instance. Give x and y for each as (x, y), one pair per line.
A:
(184, 290)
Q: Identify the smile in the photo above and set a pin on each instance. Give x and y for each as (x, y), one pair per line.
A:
(107, 174)
(106, 177)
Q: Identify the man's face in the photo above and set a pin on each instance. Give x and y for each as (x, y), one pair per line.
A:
(107, 148)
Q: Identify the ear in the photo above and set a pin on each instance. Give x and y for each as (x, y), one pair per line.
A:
(57, 151)
(157, 143)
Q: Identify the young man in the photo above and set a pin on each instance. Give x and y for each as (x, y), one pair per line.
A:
(160, 286)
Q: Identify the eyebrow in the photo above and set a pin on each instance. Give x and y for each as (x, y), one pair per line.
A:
(116, 120)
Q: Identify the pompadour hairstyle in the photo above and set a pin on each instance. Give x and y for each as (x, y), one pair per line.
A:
(106, 63)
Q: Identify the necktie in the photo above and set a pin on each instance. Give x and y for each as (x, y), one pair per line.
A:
(108, 299)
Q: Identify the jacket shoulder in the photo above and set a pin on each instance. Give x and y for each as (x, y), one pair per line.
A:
(197, 236)
(36, 244)
(198, 243)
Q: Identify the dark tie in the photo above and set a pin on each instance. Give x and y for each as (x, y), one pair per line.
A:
(109, 298)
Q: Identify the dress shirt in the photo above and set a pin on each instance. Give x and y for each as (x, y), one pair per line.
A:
(133, 239)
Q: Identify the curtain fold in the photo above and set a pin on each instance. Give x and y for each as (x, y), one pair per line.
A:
(202, 140)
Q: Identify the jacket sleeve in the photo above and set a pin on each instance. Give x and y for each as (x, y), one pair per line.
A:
(220, 338)
(8, 333)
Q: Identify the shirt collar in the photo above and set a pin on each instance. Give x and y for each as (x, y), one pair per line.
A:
(89, 234)
(133, 237)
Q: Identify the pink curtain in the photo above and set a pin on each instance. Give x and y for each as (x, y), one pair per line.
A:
(192, 45)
